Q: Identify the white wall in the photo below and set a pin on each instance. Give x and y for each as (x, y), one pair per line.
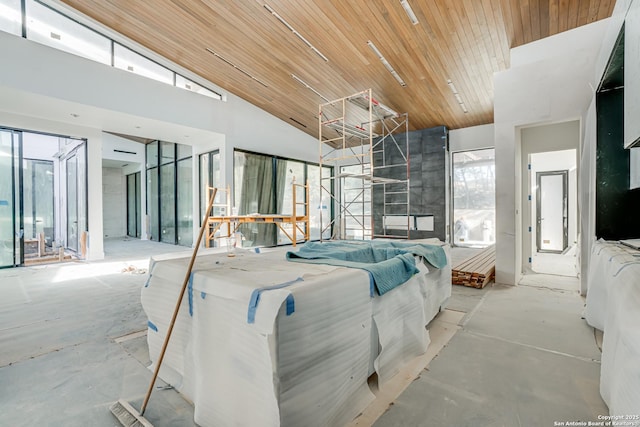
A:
(104, 98)
(472, 138)
(554, 87)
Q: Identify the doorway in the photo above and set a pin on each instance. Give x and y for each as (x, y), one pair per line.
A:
(42, 196)
(552, 211)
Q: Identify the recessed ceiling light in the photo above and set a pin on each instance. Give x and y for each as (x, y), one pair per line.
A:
(386, 63)
(407, 8)
(246, 73)
(297, 122)
(457, 96)
(297, 34)
(305, 84)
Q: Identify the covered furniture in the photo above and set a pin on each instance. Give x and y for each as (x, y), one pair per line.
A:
(613, 305)
(262, 341)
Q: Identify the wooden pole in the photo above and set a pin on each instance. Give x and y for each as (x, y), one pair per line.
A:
(178, 303)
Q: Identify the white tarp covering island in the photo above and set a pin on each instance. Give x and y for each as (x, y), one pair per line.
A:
(262, 341)
(613, 305)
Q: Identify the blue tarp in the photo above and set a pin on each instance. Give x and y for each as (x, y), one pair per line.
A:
(390, 263)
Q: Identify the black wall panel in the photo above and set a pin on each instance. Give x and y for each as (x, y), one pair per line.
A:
(617, 207)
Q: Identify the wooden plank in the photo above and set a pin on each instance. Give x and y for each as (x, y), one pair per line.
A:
(475, 271)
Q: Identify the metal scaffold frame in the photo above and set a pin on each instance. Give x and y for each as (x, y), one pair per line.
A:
(372, 142)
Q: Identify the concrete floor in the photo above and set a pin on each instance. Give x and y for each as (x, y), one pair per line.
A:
(523, 357)
(60, 364)
(72, 342)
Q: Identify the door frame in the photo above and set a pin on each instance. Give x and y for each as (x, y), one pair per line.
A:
(565, 210)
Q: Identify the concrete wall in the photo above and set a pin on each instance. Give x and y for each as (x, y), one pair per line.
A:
(114, 202)
(553, 82)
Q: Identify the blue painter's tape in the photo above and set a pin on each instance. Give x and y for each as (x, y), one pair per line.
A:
(529, 197)
(152, 326)
(190, 291)
(529, 229)
(255, 299)
(372, 285)
(203, 295)
(257, 250)
(148, 282)
(291, 305)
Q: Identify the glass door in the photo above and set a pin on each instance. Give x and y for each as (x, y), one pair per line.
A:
(75, 187)
(133, 205)
(72, 202)
(11, 236)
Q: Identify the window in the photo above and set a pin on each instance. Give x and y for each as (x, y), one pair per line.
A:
(134, 227)
(254, 185)
(185, 201)
(474, 189)
(126, 59)
(187, 84)
(46, 26)
(169, 193)
(320, 212)
(356, 202)
(209, 177)
(11, 16)
(168, 203)
(293, 171)
(263, 184)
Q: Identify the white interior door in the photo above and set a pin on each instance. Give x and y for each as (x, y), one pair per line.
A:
(552, 211)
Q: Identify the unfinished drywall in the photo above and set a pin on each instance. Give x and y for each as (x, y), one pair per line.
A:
(472, 138)
(557, 86)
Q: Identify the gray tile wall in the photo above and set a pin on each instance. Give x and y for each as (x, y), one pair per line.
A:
(427, 174)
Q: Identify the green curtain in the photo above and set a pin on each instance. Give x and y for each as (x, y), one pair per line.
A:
(257, 197)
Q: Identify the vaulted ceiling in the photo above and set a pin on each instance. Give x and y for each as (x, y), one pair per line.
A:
(287, 57)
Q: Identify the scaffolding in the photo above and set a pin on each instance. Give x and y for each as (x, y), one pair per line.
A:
(367, 143)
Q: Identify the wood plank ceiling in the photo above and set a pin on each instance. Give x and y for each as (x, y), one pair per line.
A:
(464, 41)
